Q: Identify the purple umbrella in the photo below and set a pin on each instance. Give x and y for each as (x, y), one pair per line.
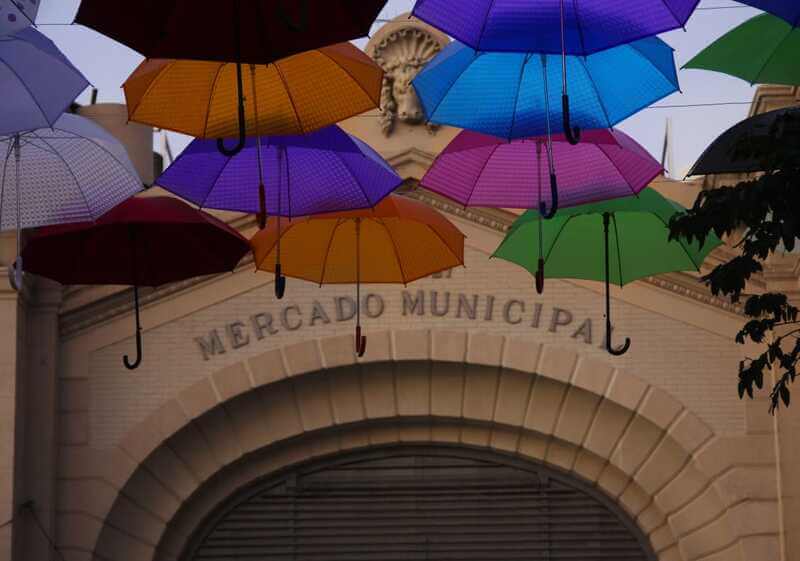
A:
(480, 170)
(325, 171)
(37, 82)
(17, 14)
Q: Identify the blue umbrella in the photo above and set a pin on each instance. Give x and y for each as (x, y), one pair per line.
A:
(17, 14)
(37, 81)
(784, 9)
(510, 95)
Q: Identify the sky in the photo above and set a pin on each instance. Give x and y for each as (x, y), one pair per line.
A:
(106, 64)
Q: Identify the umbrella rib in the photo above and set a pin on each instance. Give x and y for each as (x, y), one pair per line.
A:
(327, 251)
(619, 171)
(211, 188)
(480, 175)
(558, 236)
(453, 83)
(580, 27)
(150, 88)
(211, 97)
(671, 12)
(772, 55)
(69, 169)
(525, 60)
(355, 179)
(346, 71)
(394, 247)
(33, 97)
(485, 20)
(291, 98)
(694, 264)
(597, 93)
(449, 249)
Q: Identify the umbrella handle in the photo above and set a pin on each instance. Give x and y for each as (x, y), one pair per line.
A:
(280, 282)
(301, 27)
(627, 345)
(554, 199)
(573, 134)
(230, 153)
(540, 277)
(135, 364)
(15, 274)
(619, 351)
(262, 207)
(361, 342)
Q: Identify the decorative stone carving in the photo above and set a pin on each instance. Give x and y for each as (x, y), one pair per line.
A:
(402, 54)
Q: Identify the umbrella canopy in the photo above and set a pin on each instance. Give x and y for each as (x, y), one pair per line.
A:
(145, 241)
(399, 241)
(480, 170)
(292, 96)
(251, 31)
(762, 50)
(325, 171)
(17, 14)
(535, 25)
(617, 241)
(37, 81)
(515, 95)
(721, 156)
(788, 10)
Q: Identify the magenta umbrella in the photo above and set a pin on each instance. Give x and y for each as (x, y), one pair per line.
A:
(480, 170)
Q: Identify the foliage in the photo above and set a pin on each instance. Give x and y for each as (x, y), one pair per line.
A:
(763, 213)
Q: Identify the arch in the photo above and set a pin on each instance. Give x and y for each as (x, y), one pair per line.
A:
(633, 441)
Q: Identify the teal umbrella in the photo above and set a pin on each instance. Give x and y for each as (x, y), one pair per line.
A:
(616, 241)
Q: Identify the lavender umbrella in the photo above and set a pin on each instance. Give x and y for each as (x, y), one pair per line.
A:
(480, 170)
(73, 172)
(17, 14)
(325, 171)
(37, 81)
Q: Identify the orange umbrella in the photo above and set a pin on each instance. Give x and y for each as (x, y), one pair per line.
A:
(295, 95)
(399, 241)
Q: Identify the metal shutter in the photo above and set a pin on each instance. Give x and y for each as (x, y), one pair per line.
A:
(420, 503)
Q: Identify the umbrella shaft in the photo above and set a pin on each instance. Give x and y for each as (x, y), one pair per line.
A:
(606, 224)
(563, 51)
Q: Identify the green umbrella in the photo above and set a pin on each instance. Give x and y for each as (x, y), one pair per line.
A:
(763, 50)
(616, 241)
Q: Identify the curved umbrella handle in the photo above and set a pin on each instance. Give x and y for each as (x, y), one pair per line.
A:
(262, 207)
(230, 153)
(553, 199)
(573, 134)
(125, 360)
(301, 27)
(540, 277)
(361, 342)
(627, 345)
(621, 350)
(280, 282)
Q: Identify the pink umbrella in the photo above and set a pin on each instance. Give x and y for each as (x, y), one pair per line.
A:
(480, 170)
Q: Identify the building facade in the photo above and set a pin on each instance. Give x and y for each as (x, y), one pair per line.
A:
(251, 426)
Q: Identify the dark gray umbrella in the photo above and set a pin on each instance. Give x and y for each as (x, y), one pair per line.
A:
(725, 154)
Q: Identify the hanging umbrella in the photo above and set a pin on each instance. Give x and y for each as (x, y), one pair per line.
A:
(723, 156)
(507, 95)
(565, 27)
(788, 10)
(324, 171)
(146, 241)
(762, 50)
(37, 81)
(73, 172)
(236, 31)
(294, 95)
(399, 241)
(617, 241)
(16, 15)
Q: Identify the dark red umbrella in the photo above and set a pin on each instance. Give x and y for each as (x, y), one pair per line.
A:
(146, 241)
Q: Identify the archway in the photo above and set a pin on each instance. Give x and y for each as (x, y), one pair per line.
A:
(419, 502)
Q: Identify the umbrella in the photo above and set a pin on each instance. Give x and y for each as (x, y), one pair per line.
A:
(721, 156)
(784, 9)
(574, 27)
(73, 172)
(616, 241)
(237, 31)
(507, 95)
(324, 171)
(37, 81)
(762, 50)
(399, 241)
(291, 96)
(146, 241)
(17, 14)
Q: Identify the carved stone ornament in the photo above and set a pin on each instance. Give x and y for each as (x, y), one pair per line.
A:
(402, 54)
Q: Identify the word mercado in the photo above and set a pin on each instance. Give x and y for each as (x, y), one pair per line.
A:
(420, 304)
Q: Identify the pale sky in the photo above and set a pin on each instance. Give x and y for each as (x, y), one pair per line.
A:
(106, 64)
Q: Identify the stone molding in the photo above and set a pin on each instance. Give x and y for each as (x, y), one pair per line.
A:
(634, 441)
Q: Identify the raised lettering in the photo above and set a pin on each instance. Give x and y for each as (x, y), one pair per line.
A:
(465, 307)
(489, 315)
(211, 346)
(318, 314)
(415, 306)
(374, 305)
(262, 323)
(537, 316)
(435, 304)
(237, 335)
(345, 308)
(507, 311)
(561, 317)
(285, 318)
(584, 332)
